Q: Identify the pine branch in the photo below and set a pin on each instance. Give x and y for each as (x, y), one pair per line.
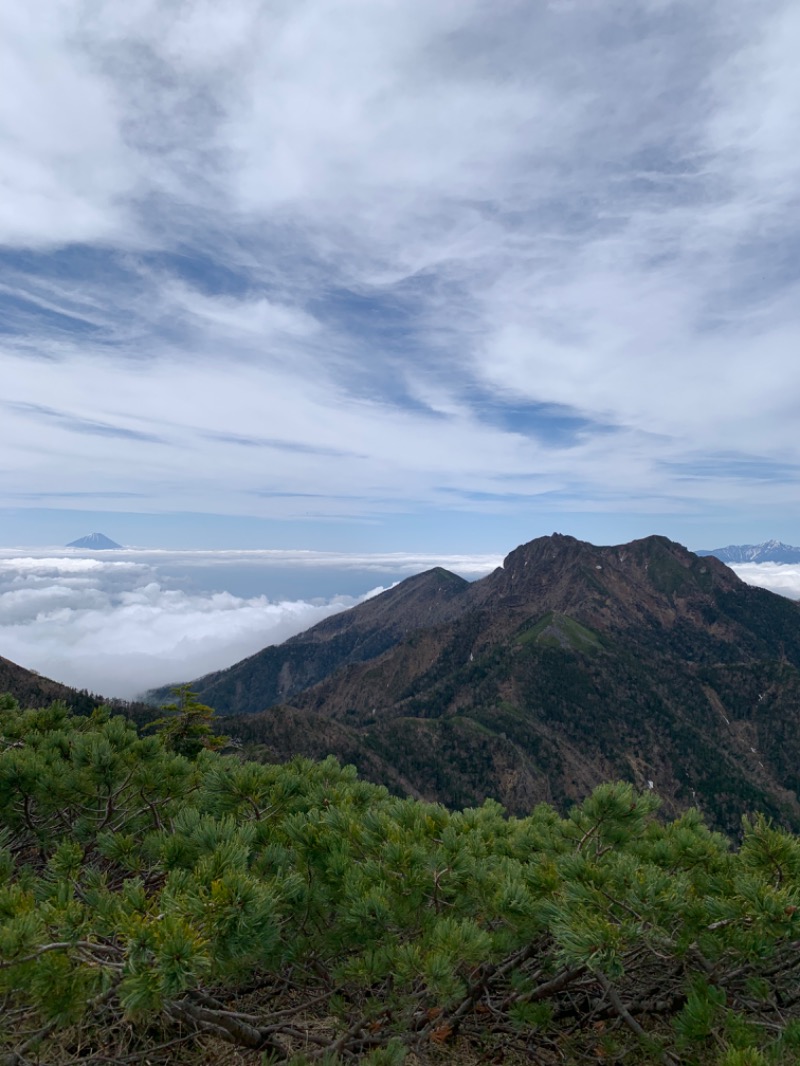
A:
(225, 1025)
(88, 946)
(664, 1057)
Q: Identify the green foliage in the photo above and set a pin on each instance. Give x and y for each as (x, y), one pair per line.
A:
(149, 894)
(560, 631)
(704, 1006)
(185, 727)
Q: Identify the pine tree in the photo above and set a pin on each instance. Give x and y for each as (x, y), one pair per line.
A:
(186, 726)
(149, 896)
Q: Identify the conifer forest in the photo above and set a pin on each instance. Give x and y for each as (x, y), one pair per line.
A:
(165, 902)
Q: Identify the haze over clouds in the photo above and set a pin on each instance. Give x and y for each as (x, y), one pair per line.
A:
(399, 274)
(143, 619)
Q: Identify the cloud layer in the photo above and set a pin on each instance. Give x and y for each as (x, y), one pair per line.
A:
(121, 627)
(353, 260)
(117, 630)
(782, 578)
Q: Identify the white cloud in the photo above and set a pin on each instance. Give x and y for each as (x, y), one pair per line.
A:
(394, 452)
(782, 578)
(344, 233)
(119, 627)
(759, 110)
(120, 638)
(280, 558)
(64, 165)
(223, 318)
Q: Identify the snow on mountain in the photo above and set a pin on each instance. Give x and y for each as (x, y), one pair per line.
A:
(94, 542)
(771, 551)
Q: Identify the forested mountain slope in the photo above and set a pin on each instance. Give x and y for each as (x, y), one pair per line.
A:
(157, 909)
(278, 672)
(570, 665)
(31, 688)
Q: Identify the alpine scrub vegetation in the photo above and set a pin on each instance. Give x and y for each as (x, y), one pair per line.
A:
(186, 725)
(165, 907)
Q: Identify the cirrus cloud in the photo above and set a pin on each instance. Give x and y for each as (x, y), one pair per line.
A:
(339, 262)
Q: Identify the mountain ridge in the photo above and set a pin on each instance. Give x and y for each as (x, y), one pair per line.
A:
(278, 672)
(770, 551)
(411, 605)
(569, 665)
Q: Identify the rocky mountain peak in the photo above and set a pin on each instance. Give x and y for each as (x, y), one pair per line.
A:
(543, 549)
(652, 578)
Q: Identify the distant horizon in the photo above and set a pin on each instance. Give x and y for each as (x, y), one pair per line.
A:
(124, 621)
(198, 547)
(400, 277)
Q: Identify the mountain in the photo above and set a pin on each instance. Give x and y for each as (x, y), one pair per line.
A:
(277, 673)
(95, 542)
(33, 690)
(30, 689)
(569, 665)
(771, 551)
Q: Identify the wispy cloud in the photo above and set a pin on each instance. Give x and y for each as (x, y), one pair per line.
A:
(279, 445)
(412, 249)
(82, 425)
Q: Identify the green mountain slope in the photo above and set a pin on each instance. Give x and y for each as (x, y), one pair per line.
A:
(574, 664)
(158, 910)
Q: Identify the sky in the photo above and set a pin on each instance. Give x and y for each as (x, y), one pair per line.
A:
(298, 298)
(399, 275)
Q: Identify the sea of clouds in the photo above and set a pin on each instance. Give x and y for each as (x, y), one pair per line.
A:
(783, 578)
(121, 623)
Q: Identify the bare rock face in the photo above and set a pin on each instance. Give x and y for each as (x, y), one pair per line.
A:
(569, 665)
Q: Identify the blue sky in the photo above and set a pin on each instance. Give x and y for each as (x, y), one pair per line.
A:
(399, 274)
